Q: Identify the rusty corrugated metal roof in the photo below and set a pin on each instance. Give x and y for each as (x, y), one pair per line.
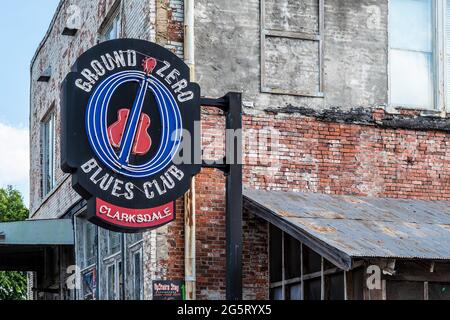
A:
(362, 227)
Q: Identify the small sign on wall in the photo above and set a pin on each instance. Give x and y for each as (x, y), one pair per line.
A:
(168, 290)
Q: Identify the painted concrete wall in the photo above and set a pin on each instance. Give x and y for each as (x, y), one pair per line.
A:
(354, 58)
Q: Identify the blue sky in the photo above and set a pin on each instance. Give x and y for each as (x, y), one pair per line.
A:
(23, 24)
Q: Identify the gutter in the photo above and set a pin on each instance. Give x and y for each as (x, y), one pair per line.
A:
(189, 199)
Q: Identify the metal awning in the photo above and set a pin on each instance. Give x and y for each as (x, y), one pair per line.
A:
(22, 244)
(345, 228)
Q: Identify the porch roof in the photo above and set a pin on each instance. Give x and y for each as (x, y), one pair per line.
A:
(345, 228)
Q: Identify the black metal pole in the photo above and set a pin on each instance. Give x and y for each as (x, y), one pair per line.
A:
(234, 197)
(231, 104)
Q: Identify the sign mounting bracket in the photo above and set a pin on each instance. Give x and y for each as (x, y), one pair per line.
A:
(231, 165)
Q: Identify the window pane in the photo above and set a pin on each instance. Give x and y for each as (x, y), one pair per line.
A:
(114, 242)
(411, 24)
(48, 151)
(90, 244)
(113, 30)
(334, 287)
(312, 262)
(111, 282)
(404, 290)
(89, 284)
(439, 291)
(137, 275)
(133, 238)
(120, 276)
(447, 32)
(312, 289)
(291, 257)
(294, 292)
(411, 79)
(276, 294)
(411, 53)
(275, 254)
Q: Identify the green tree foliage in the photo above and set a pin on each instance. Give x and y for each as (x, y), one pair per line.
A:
(11, 205)
(13, 285)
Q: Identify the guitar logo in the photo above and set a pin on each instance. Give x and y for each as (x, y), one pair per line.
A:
(135, 128)
(128, 136)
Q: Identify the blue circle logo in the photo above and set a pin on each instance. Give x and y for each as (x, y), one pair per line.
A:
(114, 150)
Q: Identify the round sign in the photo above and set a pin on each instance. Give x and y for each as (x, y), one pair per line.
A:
(128, 117)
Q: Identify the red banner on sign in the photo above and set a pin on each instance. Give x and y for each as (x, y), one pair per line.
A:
(135, 218)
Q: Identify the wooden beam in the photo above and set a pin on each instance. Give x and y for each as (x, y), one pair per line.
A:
(301, 273)
(421, 277)
(322, 280)
(283, 271)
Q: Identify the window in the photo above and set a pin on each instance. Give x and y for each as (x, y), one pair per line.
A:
(135, 266)
(114, 242)
(48, 154)
(87, 258)
(137, 275)
(99, 255)
(297, 272)
(296, 38)
(90, 244)
(111, 282)
(114, 280)
(419, 53)
(89, 285)
(439, 291)
(404, 290)
(447, 50)
(112, 28)
(411, 53)
(113, 265)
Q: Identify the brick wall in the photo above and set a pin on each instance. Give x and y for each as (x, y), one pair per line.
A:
(310, 155)
(300, 153)
(352, 159)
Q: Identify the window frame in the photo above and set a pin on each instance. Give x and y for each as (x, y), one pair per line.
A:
(114, 17)
(50, 171)
(326, 270)
(439, 66)
(114, 263)
(319, 37)
(137, 251)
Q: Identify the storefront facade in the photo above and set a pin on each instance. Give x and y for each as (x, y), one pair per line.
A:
(322, 90)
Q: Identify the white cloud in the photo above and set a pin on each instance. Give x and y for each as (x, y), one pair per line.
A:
(14, 158)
